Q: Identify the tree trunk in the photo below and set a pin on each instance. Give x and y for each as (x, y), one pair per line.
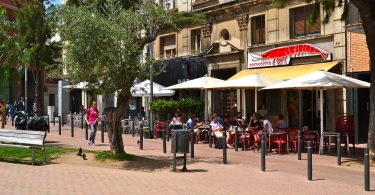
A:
(113, 118)
(367, 12)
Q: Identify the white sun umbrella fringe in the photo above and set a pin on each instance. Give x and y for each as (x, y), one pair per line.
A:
(320, 80)
(253, 81)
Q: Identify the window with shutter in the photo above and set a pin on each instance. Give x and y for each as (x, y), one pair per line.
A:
(299, 22)
(258, 32)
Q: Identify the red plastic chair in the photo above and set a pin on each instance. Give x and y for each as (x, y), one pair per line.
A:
(293, 138)
(257, 140)
(279, 139)
(345, 124)
(159, 128)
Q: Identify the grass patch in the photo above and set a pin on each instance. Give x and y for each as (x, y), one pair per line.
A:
(107, 155)
(23, 155)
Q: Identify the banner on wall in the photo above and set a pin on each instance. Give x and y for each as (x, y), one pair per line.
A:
(281, 55)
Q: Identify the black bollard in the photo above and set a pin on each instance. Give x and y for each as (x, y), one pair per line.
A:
(49, 125)
(53, 119)
(168, 131)
(59, 125)
(192, 143)
(133, 131)
(367, 169)
(210, 137)
(174, 143)
(141, 136)
(82, 120)
(102, 132)
(71, 125)
(309, 161)
(224, 147)
(236, 139)
(299, 145)
(263, 152)
(86, 132)
(164, 140)
(338, 150)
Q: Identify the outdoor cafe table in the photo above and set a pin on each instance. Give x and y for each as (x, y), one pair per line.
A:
(203, 128)
(276, 133)
(335, 134)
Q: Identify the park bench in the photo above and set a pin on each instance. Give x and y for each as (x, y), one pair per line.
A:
(24, 139)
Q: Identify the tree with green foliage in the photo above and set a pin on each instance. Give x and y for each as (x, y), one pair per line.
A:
(25, 43)
(104, 42)
(366, 9)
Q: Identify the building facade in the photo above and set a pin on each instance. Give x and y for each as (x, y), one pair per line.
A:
(245, 37)
(12, 85)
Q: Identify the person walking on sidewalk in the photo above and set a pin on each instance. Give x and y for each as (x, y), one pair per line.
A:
(92, 116)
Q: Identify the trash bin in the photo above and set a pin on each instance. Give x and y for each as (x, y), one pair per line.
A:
(51, 110)
(182, 139)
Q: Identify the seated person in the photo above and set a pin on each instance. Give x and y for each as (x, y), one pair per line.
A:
(219, 119)
(191, 122)
(176, 119)
(254, 123)
(280, 123)
(267, 126)
(241, 121)
(218, 129)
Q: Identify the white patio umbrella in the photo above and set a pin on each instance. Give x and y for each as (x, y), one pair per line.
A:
(320, 80)
(143, 89)
(253, 81)
(200, 84)
(80, 85)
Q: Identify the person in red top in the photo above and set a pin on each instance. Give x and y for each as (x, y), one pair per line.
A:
(92, 116)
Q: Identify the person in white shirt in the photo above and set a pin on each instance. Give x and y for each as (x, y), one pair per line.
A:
(267, 126)
(218, 129)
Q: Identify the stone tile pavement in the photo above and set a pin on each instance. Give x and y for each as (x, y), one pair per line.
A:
(207, 174)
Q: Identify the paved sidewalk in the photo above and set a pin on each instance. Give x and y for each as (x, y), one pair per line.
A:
(207, 174)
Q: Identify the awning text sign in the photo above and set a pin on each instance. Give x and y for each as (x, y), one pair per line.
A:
(282, 55)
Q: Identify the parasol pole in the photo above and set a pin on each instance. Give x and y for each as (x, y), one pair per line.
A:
(256, 99)
(205, 105)
(321, 119)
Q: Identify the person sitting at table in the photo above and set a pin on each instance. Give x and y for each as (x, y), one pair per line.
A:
(219, 119)
(218, 129)
(267, 126)
(254, 123)
(176, 119)
(191, 122)
(280, 123)
(241, 121)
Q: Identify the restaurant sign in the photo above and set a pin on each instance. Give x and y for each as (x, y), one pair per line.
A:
(282, 55)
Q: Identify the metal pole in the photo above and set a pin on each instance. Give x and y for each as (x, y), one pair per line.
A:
(59, 125)
(82, 119)
(225, 147)
(338, 150)
(86, 132)
(164, 140)
(209, 137)
(309, 161)
(141, 136)
(367, 169)
(236, 139)
(192, 142)
(169, 127)
(102, 131)
(133, 131)
(53, 119)
(26, 90)
(72, 124)
(49, 125)
(174, 143)
(299, 145)
(263, 152)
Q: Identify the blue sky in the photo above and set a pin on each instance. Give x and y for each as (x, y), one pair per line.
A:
(56, 1)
